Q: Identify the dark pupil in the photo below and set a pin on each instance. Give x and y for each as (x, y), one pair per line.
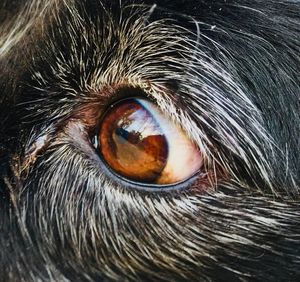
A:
(132, 142)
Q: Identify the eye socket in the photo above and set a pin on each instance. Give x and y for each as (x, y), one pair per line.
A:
(139, 143)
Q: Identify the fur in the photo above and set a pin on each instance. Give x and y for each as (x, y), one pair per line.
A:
(227, 72)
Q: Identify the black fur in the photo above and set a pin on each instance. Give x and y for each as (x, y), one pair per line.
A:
(231, 67)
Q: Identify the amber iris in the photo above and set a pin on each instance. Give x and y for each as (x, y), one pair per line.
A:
(132, 142)
(139, 143)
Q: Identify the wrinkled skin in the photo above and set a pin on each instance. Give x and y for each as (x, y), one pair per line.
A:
(226, 71)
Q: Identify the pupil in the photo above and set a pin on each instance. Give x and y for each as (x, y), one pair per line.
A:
(132, 142)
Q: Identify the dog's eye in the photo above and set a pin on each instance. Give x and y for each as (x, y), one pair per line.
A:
(139, 143)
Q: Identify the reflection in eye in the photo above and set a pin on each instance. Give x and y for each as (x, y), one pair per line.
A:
(140, 143)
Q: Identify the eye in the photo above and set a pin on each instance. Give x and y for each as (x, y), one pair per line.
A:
(139, 143)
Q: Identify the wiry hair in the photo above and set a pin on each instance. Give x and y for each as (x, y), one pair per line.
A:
(227, 72)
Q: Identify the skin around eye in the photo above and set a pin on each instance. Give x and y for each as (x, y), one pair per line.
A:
(138, 142)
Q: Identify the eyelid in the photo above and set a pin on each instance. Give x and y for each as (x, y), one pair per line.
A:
(144, 187)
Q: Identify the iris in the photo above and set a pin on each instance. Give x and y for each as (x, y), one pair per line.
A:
(139, 142)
